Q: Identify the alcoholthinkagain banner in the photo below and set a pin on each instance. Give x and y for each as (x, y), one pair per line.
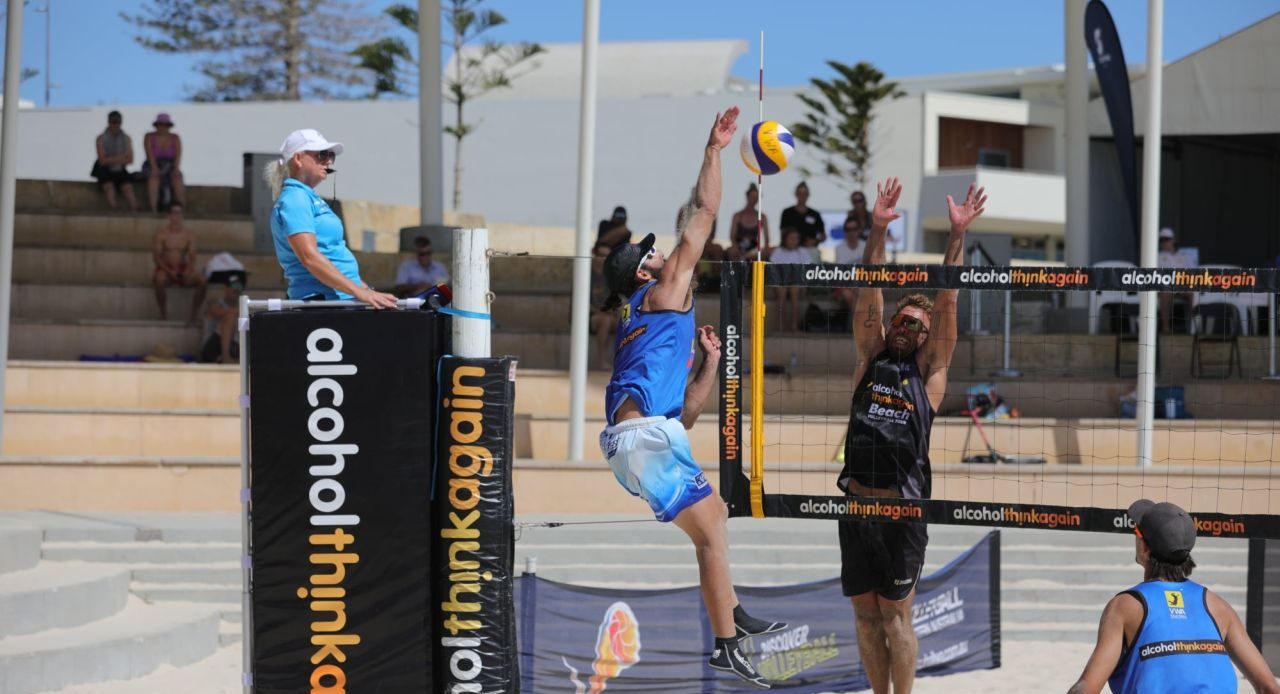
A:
(473, 620)
(587, 640)
(342, 411)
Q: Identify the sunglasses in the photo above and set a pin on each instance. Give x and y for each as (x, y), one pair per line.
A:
(911, 323)
(325, 157)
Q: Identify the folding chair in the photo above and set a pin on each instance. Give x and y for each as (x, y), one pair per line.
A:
(1217, 322)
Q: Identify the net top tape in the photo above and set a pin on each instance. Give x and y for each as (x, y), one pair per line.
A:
(1025, 278)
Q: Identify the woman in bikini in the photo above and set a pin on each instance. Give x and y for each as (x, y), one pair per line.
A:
(164, 158)
(746, 235)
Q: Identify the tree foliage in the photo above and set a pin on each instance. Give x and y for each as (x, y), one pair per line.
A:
(477, 69)
(837, 124)
(262, 50)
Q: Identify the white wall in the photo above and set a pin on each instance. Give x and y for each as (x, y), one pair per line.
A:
(520, 164)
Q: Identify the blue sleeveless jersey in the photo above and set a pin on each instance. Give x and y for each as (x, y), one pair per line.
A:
(1178, 647)
(652, 361)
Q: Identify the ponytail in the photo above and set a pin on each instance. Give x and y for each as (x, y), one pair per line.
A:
(274, 174)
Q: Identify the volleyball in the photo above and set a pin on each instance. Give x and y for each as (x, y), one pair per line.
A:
(767, 147)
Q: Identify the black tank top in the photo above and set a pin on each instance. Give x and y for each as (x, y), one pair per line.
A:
(887, 444)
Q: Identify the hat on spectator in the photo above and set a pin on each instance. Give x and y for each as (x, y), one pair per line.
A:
(163, 119)
(619, 214)
(1168, 530)
(307, 140)
(1166, 233)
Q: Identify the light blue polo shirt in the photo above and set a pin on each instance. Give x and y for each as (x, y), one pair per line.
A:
(299, 210)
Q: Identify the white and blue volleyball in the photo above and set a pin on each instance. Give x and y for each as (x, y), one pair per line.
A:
(767, 147)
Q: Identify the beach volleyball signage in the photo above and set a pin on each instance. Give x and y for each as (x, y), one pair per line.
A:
(341, 410)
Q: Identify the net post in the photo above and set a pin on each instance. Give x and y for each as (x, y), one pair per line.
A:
(246, 549)
(1271, 339)
(757, 389)
(471, 335)
(1007, 371)
(732, 487)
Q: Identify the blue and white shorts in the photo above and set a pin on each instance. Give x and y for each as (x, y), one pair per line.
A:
(650, 457)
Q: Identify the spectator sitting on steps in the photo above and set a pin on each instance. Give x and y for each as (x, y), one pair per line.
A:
(222, 341)
(163, 148)
(174, 252)
(418, 274)
(111, 167)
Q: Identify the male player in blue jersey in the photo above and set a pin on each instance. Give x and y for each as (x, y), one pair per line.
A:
(900, 377)
(650, 402)
(1170, 634)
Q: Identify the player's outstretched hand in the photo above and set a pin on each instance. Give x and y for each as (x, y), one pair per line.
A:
(723, 129)
(887, 194)
(709, 342)
(974, 205)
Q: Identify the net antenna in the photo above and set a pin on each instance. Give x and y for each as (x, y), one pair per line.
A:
(760, 176)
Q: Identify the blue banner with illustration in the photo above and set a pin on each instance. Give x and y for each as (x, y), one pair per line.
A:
(591, 640)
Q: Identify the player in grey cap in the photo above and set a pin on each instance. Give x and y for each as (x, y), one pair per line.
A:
(1170, 634)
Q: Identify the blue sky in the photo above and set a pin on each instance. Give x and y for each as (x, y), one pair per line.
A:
(94, 60)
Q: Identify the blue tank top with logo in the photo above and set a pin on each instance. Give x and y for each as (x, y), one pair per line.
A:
(1177, 648)
(652, 361)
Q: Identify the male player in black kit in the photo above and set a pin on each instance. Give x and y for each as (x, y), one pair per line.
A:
(899, 381)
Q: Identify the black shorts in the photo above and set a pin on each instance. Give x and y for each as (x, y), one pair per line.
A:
(881, 557)
(118, 176)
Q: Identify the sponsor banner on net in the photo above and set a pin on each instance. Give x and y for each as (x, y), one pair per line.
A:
(1025, 277)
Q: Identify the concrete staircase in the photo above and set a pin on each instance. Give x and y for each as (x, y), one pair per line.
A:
(71, 611)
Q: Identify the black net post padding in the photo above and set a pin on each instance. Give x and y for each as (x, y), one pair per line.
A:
(341, 413)
(473, 618)
(1255, 590)
(994, 577)
(734, 360)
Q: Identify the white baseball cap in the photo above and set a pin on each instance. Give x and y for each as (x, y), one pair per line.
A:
(1166, 233)
(307, 140)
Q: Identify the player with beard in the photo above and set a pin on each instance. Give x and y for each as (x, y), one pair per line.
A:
(899, 381)
(650, 402)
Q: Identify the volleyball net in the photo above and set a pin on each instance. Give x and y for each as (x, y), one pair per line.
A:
(1037, 427)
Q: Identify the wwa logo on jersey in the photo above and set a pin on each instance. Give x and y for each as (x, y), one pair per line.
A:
(617, 648)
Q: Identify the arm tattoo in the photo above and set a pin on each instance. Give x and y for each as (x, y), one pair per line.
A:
(872, 317)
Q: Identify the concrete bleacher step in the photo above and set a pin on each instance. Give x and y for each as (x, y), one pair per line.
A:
(207, 573)
(229, 633)
(234, 234)
(97, 261)
(133, 553)
(40, 339)
(187, 592)
(45, 265)
(142, 432)
(55, 595)
(130, 385)
(133, 302)
(19, 549)
(125, 645)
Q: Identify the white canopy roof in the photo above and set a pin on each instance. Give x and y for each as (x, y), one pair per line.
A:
(625, 69)
(1231, 87)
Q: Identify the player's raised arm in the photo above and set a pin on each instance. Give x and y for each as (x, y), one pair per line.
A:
(868, 317)
(673, 285)
(942, 343)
